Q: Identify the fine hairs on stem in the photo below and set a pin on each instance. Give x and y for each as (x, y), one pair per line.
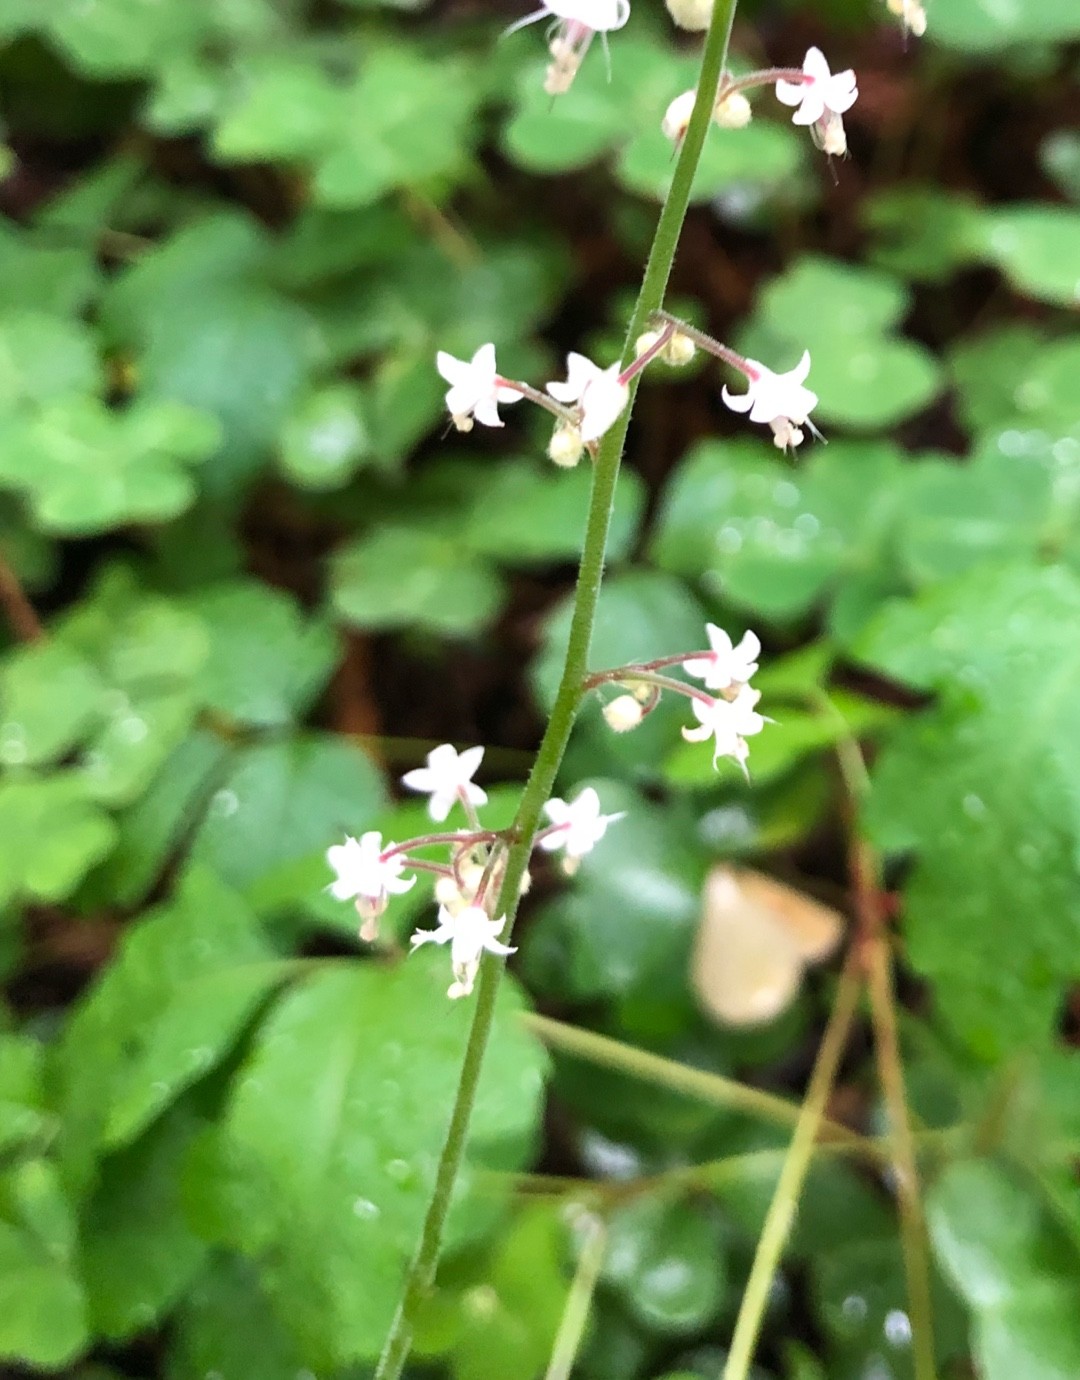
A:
(421, 1271)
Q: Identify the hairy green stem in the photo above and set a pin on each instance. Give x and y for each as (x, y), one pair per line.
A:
(421, 1272)
(785, 1200)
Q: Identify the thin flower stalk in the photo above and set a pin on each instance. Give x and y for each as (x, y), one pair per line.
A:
(564, 711)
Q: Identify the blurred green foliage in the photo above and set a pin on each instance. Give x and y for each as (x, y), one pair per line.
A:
(234, 234)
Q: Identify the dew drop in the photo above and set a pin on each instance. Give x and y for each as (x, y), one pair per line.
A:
(974, 806)
(132, 729)
(807, 525)
(225, 803)
(399, 1170)
(365, 1209)
(854, 1308)
(897, 1327)
(13, 749)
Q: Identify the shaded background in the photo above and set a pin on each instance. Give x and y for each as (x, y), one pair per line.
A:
(248, 579)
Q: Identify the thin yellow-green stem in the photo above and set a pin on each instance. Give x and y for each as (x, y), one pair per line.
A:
(698, 1083)
(578, 1301)
(538, 787)
(785, 1199)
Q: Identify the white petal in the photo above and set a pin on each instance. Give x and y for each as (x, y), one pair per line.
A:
(494, 947)
(486, 413)
(453, 370)
(790, 92)
(814, 65)
(469, 762)
(420, 779)
(738, 402)
(812, 108)
(483, 362)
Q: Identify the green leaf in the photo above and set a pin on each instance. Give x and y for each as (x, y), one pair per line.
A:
(980, 25)
(626, 923)
(990, 1235)
(43, 276)
(402, 576)
(778, 541)
(327, 437)
(210, 332)
(227, 1328)
(53, 834)
(86, 469)
(43, 1319)
(284, 107)
(1019, 496)
(864, 376)
(1000, 939)
(267, 662)
(523, 514)
(405, 121)
(345, 1146)
(283, 800)
(49, 700)
(1037, 247)
(22, 1094)
(1035, 1335)
(667, 1261)
(43, 359)
(142, 1035)
(132, 1274)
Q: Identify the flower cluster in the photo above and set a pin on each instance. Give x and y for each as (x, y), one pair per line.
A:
(590, 399)
(368, 872)
(728, 717)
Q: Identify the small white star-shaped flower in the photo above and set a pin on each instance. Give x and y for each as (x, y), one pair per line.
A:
(363, 873)
(469, 933)
(821, 100)
(821, 91)
(448, 777)
(780, 400)
(598, 394)
(725, 665)
(476, 388)
(578, 825)
(730, 722)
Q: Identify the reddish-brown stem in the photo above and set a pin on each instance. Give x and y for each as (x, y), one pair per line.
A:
(709, 344)
(431, 840)
(20, 613)
(646, 677)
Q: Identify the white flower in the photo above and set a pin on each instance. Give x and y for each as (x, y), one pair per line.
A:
(447, 778)
(578, 21)
(363, 873)
(821, 99)
(730, 722)
(476, 388)
(578, 824)
(725, 665)
(778, 399)
(821, 91)
(599, 395)
(469, 932)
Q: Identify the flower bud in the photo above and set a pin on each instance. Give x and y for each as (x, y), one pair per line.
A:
(690, 14)
(644, 343)
(679, 350)
(910, 13)
(733, 111)
(565, 446)
(462, 421)
(369, 930)
(677, 116)
(566, 59)
(828, 134)
(623, 713)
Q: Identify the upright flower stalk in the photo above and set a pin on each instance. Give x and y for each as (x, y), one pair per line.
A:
(421, 1272)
